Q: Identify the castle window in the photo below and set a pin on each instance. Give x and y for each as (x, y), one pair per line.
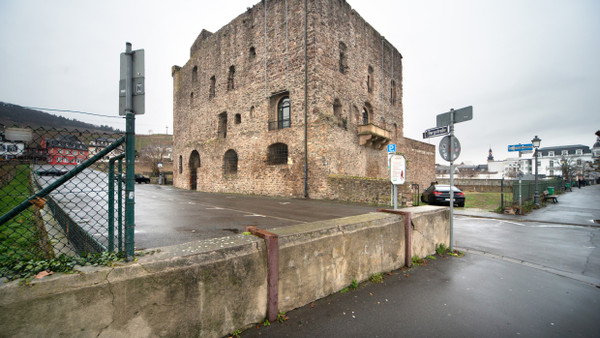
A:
(238, 118)
(365, 116)
(230, 162)
(230, 78)
(277, 153)
(252, 52)
(195, 74)
(370, 80)
(222, 129)
(337, 112)
(283, 113)
(252, 112)
(279, 111)
(337, 108)
(180, 164)
(211, 92)
(343, 58)
(191, 98)
(393, 93)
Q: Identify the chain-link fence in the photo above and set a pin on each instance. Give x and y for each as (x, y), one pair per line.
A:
(56, 194)
(516, 194)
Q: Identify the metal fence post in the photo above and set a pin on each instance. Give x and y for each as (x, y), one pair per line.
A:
(111, 201)
(111, 205)
(120, 207)
(502, 194)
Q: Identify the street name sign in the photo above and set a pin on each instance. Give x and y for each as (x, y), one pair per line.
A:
(460, 115)
(434, 132)
(521, 147)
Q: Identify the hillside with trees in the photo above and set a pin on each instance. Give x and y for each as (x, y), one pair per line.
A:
(16, 116)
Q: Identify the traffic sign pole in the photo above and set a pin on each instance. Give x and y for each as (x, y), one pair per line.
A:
(451, 179)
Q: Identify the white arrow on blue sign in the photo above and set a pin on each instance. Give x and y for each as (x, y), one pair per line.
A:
(520, 147)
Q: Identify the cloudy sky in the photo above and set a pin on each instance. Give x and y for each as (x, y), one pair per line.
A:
(528, 67)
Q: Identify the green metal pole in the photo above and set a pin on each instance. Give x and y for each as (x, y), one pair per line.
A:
(111, 206)
(130, 187)
(120, 205)
(129, 157)
(111, 199)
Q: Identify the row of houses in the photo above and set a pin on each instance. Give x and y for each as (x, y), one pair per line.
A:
(578, 161)
(64, 149)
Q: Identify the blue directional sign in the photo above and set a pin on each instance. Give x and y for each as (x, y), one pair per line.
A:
(391, 148)
(521, 147)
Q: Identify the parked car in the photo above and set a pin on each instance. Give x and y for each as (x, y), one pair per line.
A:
(440, 194)
(51, 172)
(139, 178)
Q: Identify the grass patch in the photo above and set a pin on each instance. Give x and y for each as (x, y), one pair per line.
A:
(20, 237)
(376, 278)
(484, 200)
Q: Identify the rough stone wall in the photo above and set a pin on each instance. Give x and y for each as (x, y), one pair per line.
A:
(196, 119)
(477, 185)
(374, 191)
(269, 61)
(420, 159)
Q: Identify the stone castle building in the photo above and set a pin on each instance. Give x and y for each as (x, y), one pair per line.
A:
(292, 98)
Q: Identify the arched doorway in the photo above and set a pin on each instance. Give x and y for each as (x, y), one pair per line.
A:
(194, 164)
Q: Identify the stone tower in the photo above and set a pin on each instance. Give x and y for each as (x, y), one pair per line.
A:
(287, 97)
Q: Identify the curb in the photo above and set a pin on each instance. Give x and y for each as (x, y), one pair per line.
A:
(527, 220)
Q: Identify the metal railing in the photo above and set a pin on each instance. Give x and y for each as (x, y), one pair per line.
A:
(280, 124)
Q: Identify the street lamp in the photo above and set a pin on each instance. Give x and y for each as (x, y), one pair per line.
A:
(536, 144)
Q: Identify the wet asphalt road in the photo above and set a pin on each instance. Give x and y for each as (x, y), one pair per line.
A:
(165, 215)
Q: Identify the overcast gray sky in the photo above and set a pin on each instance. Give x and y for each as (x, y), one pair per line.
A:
(528, 67)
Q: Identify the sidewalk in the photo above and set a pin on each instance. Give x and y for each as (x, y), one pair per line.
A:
(471, 296)
(579, 207)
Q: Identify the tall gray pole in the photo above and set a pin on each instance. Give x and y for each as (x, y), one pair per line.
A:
(451, 179)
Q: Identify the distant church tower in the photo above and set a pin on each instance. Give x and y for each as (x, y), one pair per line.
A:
(490, 156)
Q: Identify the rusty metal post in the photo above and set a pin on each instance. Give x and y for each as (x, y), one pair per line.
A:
(272, 242)
(407, 233)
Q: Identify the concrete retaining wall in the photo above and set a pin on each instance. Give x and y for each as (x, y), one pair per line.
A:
(211, 288)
